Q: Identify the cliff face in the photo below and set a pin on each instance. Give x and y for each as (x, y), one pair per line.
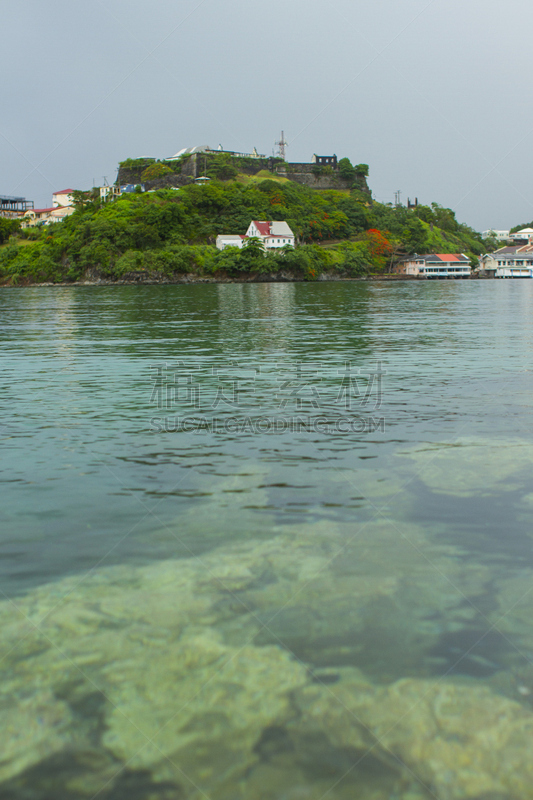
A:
(321, 177)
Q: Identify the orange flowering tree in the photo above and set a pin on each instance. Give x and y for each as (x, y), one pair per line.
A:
(379, 246)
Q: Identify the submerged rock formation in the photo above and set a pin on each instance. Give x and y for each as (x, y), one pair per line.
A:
(460, 740)
(267, 669)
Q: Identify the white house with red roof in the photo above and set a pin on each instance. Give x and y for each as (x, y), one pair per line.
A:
(62, 198)
(436, 265)
(274, 235)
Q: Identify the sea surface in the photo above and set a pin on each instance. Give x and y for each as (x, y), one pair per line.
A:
(267, 542)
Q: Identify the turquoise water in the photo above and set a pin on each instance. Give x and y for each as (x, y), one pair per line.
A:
(267, 541)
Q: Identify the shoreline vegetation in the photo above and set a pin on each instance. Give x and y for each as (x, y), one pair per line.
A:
(167, 235)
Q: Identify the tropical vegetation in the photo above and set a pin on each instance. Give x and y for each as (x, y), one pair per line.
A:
(168, 231)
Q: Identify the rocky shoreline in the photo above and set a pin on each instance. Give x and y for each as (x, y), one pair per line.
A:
(133, 279)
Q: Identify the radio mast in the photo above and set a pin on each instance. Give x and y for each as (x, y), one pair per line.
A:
(282, 144)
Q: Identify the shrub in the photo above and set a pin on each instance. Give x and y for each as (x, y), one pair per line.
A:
(155, 171)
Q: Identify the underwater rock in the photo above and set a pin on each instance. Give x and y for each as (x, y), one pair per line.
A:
(33, 727)
(178, 667)
(460, 740)
(381, 599)
(515, 605)
(195, 713)
(471, 466)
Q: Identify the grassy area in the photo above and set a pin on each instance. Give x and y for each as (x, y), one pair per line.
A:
(17, 241)
(263, 175)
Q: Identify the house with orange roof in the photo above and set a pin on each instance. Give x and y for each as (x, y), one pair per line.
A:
(435, 265)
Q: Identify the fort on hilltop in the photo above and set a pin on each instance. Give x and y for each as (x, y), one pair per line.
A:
(202, 162)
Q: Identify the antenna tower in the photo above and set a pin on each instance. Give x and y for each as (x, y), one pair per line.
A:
(282, 144)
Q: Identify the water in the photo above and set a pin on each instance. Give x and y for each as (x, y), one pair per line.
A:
(267, 541)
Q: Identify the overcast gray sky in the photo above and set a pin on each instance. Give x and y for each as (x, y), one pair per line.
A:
(435, 95)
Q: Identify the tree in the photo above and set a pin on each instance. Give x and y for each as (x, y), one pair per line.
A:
(444, 218)
(252, 251)
(379, 246)
(361, 169)
(424, 213)
(85, 200)
(346, 169)
(8, 227)
(491, 244)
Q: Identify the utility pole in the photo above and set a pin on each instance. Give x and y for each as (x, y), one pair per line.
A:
(282, 144)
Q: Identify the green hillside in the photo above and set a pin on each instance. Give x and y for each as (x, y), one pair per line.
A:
(170, 231)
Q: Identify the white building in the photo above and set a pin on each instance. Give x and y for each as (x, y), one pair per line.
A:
(274, 235)
(436, 265)
(501, 236)
(62, 198)
(229, 240)
(524, 235)
(510, 262)
(109, 193)
(204, 148)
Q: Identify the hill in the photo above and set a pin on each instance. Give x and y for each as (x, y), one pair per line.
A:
(168, 232)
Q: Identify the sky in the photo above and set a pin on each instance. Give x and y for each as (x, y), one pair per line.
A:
(434, 95)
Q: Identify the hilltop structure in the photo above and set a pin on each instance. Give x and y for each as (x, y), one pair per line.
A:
(204, 148)
(201, 161)
(325, 161)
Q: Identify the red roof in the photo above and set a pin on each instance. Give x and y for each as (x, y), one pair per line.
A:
(42, 210)
(262, 227)
(64, 191)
